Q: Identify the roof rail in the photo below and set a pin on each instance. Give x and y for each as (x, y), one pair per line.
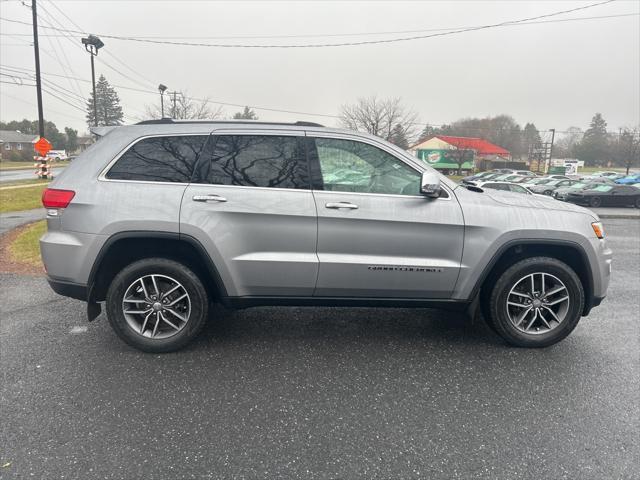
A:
(161, 121)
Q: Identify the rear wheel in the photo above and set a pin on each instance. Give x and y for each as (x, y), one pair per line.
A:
(595, 202)
(535, 303)
(157, 305)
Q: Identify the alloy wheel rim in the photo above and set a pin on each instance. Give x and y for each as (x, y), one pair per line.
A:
(537, 303)
(156, 306)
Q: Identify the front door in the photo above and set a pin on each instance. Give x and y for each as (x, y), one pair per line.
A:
(377, 235)
(251, 206)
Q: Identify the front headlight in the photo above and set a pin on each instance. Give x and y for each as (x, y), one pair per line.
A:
(598, 229)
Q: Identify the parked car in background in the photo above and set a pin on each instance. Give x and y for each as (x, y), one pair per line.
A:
(629, 179)
(547, 188)
(504, 186)
(608, 174)
(607, 196)
(57, 155)
(562, 192)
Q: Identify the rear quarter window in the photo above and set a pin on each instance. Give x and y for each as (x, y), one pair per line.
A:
(159, 159)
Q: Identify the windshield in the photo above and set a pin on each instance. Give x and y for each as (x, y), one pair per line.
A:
(602, 188)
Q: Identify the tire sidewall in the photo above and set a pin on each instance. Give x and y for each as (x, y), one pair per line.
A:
(508, 279)
(595, 202)
(160, 266)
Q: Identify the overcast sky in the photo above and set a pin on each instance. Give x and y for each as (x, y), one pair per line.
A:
(553, 74)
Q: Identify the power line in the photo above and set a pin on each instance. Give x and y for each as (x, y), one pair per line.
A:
(4, 94)
(327, 35)
(64, 54)
(104, 51)
(344, 44)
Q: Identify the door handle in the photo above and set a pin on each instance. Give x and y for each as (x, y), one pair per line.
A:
(209, 198)
(348, 205)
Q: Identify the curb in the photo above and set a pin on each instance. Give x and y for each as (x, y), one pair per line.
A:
(626, 217)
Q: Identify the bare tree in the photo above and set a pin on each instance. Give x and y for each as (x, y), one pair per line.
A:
(627, 151)
(186, 108)
(380, 117)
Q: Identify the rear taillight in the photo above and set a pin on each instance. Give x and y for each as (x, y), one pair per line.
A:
(54, 198)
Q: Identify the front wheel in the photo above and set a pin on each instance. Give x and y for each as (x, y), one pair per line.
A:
(157, 305)
(637, 202)
(595, 202)
(536, 302)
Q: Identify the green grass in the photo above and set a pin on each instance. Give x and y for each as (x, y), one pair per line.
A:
(15, 165)
(6, 165)
(26, 248)
(16, 199)
(23, 182)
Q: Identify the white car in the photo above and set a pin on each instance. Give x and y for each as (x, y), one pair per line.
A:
(507, 187)
(57, 155)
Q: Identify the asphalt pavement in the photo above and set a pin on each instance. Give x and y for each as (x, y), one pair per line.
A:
(11, 220)
(24, 174)
(321, 393)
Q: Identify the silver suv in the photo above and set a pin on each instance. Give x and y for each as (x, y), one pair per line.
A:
(162, 218)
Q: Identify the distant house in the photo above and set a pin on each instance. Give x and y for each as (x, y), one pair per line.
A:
(83, 144)
(444, 151)
(14, 141)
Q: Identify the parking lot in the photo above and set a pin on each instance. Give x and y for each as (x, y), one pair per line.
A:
(321, 393)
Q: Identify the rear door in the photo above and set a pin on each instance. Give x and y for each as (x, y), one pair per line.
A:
(377, 235)
(251, 207)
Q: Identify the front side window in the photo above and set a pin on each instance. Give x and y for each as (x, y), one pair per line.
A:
(254, 161)
(159, 159)
(349, 166)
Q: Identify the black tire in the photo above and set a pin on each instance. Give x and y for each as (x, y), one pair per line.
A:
(199, 303)
(637, 204)
(499, 321)
(548, 192)
(595, 202)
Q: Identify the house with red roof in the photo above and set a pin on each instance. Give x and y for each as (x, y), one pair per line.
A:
(445, 152)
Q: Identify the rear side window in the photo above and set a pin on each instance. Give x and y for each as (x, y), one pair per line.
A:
(159, 159)
(254, 161)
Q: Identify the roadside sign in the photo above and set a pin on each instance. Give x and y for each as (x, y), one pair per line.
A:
(42, 146)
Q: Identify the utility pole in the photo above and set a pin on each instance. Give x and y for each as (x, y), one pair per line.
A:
(553, 136)
(161, 89)
(173, 108)
(36, 49)
(92, 44)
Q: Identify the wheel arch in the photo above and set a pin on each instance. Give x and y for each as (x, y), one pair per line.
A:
(571, 253)
(125, 247)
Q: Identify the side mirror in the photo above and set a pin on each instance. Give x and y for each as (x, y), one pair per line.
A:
(430, 184)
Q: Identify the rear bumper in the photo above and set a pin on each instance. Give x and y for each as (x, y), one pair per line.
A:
(69, 289)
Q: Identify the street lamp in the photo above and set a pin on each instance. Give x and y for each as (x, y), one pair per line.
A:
(161, 89)
(92, 44)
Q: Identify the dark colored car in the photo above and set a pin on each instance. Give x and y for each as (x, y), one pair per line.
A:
(561, 193)
(607, 196)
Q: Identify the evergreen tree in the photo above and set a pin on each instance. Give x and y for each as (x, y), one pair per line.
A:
(72, 140)
(398, 137)
(107, 105)
(594, 148)
(530, 137)
(246, 114)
